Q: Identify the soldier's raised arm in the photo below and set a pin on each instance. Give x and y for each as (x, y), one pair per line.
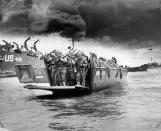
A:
(34, 46)
(27, 40)
(36, 41)
(16, 45)
(5, 41)
(25, 44)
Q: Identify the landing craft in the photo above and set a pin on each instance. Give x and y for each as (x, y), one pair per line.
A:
(62, 79)
(138, 68)
(9, 58)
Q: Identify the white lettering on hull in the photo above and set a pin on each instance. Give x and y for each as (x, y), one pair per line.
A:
(11, 58)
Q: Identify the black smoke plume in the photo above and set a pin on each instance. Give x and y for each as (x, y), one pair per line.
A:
(121, 20)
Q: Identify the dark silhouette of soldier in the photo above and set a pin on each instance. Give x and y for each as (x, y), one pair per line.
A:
(17, 50)
(8, 46)
(25, 44)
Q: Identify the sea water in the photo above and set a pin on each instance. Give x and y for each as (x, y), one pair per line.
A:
(134, 106)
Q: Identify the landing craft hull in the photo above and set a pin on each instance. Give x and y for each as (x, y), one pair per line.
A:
(99, 77)
(9, 59)
(104, 78)
(61, 90)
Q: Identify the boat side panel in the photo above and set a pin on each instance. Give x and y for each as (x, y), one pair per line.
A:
(9, 59)
(7, 63)
(105, 78)
(28, 74)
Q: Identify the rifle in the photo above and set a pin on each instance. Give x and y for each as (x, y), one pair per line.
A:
(69, 53)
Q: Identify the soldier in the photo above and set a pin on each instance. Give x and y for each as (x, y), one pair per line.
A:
(114, 59)
(17, 50)
(78, 68)
(1, 47)
(59, 68)
(71, 70)
(28, 51)
(81, 66)
(25, 43)
(8, 46)
(84, 67)
(34, 46)
(55, 75)
(31, 53)
(48, 59)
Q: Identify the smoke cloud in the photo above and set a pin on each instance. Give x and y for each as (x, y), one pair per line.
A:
(131, 22)
(123, 20)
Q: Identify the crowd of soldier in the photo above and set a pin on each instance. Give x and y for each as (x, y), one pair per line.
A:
(69, 69)
(23, 49)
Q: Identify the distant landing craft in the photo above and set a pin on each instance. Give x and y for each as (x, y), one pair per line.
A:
(138, 69)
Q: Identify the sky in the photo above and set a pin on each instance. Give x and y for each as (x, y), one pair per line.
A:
(126, 29)
(124, 55)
